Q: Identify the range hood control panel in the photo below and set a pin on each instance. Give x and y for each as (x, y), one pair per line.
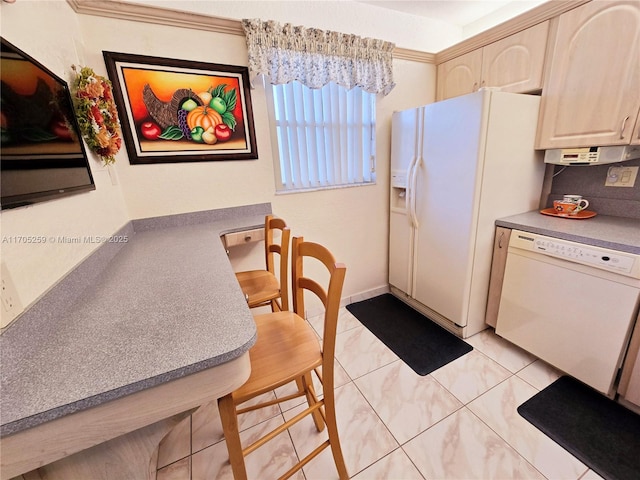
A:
(592, 155)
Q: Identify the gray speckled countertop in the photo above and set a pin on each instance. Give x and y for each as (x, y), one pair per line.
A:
(163, 305)
(617, 233)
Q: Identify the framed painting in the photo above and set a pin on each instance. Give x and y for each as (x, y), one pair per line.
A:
(175, 111)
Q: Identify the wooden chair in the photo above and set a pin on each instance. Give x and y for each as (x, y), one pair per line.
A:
(264, 287)
(287, 350)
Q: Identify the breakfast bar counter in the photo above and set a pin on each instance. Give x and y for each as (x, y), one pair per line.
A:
(149, 327)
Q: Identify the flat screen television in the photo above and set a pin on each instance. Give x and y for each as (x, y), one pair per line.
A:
(42, 155)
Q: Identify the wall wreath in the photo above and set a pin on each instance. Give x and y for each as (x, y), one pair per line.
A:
(97, 114)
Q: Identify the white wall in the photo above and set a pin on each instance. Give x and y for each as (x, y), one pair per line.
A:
(48, 31)
(352, 222)
(509, 10)
(406, 31)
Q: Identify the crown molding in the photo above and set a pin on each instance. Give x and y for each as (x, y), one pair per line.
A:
(124, 10)
(162, 16)
(177, 18)
(413, 55)
(539, 14)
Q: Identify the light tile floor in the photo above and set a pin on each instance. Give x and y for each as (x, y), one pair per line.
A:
(459, 422)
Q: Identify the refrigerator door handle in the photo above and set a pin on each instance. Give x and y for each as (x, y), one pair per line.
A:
(410, 191)
(419, 139)
(413, 186)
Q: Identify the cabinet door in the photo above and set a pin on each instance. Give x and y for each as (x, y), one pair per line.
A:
(460, 75)
(500, 245)
(629, 387)
(635, 137)
(594, 76)
(515, 63)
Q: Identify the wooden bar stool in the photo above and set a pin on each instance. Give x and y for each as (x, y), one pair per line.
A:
(287, 350)
(264, 287)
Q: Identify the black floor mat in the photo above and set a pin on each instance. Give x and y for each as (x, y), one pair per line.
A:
(422, 344)
(598, 431)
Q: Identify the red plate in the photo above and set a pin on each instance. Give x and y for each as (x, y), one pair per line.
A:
(581, 215)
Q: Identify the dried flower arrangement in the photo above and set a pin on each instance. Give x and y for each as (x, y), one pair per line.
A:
(97, 114)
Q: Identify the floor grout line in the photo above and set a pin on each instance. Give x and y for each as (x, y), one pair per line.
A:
(463, 405)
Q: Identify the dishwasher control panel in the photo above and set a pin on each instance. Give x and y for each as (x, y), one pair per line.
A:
(614, 261)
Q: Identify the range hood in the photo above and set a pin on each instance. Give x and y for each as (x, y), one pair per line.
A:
(592, 155)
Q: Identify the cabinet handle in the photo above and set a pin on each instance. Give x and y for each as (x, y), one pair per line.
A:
(482, 83)
(475, 86)
(500, 240)
(247, 238)
(624, 123)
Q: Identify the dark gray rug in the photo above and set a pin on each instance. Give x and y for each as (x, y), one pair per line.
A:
(598, 431)
(421, 343)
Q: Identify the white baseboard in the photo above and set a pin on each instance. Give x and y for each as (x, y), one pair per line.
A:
(358, 297)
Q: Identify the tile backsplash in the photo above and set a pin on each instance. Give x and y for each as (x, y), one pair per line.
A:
(589, 182)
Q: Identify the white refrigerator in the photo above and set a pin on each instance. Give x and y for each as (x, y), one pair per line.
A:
(457, 166)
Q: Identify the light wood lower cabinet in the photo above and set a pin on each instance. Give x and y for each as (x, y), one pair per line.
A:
(629, 387)
(498, 263)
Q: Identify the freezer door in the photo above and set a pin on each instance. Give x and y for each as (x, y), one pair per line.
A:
(405, 141)
(447, 190)
(400, 252)
(404, 144)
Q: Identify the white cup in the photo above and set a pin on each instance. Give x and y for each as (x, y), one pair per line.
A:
(581, 203)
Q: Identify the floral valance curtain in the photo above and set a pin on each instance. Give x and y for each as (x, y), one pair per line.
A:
(316, 57)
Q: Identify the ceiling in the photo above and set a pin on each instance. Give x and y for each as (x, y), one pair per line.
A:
(459, 12)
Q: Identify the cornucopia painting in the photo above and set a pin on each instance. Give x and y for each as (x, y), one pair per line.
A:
(182, 111)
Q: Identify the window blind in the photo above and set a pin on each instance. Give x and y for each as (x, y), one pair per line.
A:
(326, 136)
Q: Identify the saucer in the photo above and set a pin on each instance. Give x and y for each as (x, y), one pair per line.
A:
(581, 215)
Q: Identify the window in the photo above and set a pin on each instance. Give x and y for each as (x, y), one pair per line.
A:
(325, 137)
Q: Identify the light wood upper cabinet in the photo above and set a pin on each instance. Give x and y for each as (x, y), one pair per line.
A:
(514, 64)
(592, 94)
(635, 137)
(460, 75)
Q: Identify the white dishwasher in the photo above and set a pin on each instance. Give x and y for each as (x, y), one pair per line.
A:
(570, 304)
